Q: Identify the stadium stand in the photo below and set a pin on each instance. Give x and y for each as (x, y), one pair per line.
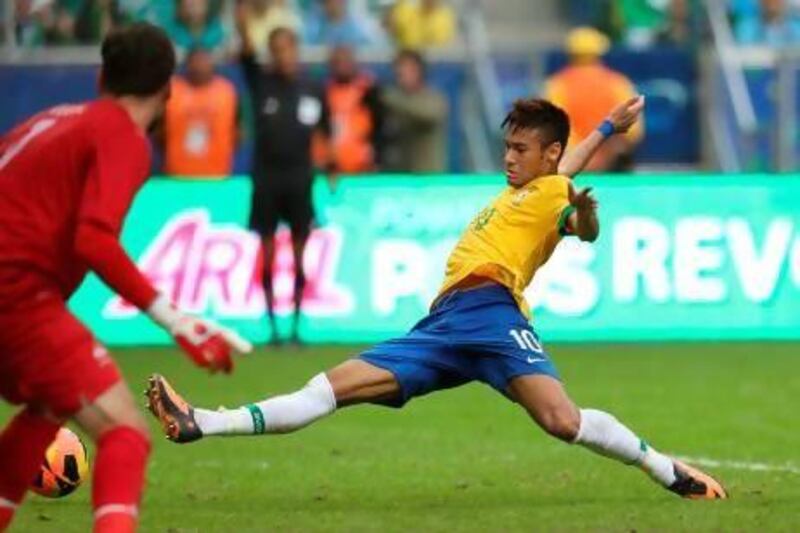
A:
(497, 55)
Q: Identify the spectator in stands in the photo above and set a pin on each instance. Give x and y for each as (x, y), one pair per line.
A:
(195, 25)
(331, 23)
(642, 21)
(89, 20)
(595, 13)
(201, 122)
(264, 16)
(681, 23)
(416, 119)
(586, 89)
(31, 20)
(645, 23)
(772, 23)
(59, 24)
(161, 12)
(356, 116)
(422, 24)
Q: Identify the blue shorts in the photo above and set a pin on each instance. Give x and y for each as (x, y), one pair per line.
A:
(470, 335)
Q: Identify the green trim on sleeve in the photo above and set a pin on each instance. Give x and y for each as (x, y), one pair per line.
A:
(562, 220)
(259, 425)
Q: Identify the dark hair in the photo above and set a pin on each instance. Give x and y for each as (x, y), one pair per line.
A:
(538, 114)
(281, 30)
(138, 60)
(412, 55)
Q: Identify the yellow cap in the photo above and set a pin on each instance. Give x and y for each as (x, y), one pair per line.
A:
(586, 41)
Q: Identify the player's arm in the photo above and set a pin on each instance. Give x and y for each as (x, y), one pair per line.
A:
(113, 179)
(241, 15)
(429, 110)
(581, 215)
(247, 51)
(620, 120)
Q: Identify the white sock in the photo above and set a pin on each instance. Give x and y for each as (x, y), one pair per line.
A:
(281, 414)
(605, 435)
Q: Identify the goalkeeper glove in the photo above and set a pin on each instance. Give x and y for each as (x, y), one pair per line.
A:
(208, 344)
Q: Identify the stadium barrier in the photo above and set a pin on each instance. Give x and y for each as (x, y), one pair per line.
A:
(679, 257)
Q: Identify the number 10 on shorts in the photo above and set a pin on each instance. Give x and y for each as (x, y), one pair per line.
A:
(526, 340)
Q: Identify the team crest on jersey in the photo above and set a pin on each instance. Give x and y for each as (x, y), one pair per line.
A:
(483, 218)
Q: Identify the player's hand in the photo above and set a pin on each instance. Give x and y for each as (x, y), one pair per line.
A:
(240, 14)
(240, 18)
(207, 344)
(582, 199)
(626, 114)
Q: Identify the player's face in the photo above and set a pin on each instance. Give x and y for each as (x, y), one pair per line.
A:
(527, 158)
(200, 67)
(408, 74)
(343, 64)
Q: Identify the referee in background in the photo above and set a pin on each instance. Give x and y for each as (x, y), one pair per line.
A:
(288, 111)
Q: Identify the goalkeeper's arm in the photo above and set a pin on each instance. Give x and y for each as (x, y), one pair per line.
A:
(207, 344)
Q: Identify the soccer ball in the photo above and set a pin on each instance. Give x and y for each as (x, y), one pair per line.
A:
(65, 466)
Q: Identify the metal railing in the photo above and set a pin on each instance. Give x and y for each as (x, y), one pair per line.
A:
(786, 130)
(487, 89)
(780, 135)
(734, 85)
(8, 23)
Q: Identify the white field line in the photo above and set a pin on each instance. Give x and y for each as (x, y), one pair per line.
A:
(741, 465)
(707, 462)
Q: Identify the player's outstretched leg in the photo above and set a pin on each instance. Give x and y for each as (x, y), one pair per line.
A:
(350, 383)
(22, 446)
(548, 404)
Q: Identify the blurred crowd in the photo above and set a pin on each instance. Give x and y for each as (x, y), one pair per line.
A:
(646, 23)
(766, 22)
(399, 125)
(416, 24)
(355, 124)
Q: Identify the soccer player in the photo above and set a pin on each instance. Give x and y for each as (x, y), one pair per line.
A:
(67, 178)
(478, 325)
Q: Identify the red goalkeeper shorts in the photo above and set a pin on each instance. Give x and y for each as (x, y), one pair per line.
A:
(49, 360)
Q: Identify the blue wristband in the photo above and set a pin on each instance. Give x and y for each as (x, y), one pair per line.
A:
(606, 129)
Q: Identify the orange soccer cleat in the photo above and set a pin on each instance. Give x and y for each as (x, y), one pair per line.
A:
(694, 484)
(172, 411)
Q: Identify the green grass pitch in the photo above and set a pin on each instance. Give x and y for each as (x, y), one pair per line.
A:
(469, 460)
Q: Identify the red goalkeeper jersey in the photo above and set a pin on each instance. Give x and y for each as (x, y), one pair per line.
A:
(67, 179)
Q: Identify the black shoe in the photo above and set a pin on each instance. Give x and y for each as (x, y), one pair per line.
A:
(295, 340)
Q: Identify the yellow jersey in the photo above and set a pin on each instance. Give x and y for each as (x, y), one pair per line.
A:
(512, 238)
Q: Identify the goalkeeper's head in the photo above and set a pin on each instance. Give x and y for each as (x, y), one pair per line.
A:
(138, 63)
